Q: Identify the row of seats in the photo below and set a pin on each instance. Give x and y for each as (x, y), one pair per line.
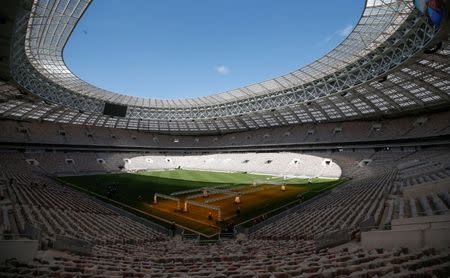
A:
(344, 208)
(429, 205)
(283, 247)
(312, 164)
(59, 210)
(436, 124)
(281, 164)
(248, 258)
(427, 166)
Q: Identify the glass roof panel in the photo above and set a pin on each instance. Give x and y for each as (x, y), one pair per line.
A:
(52, 22)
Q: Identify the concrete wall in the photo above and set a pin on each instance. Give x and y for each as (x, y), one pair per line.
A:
(22, 250)
(420, 223)
(437, 238)
(414, 239)
(417, 232)
(391, 239)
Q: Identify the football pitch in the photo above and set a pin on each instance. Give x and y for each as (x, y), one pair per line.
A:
(136, 191)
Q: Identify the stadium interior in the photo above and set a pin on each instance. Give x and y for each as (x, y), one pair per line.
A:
(340, 168)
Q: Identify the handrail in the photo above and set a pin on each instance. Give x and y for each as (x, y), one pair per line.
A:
(8, 236)
(429, 223)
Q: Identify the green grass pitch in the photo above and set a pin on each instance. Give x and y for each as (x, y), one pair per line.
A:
(137, 189)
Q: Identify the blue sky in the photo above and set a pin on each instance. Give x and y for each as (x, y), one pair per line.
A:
(189, 48)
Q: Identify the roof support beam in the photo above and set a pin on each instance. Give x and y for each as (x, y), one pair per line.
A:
(349, 103)
(424, 84)
(328, 101)
(294, 115)
(239, 119)
(368, 102)
(403, 91)
(383, 96)
(305, 108)
(279, 118)
(12, 109)
(319, 107)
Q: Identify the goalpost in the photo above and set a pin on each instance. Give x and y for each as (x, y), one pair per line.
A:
(167, 197)
(207, 206)
(198, 204)
(270, 184)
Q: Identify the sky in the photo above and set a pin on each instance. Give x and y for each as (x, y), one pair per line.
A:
(190, 48)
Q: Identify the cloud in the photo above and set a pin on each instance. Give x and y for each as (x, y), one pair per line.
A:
(346, 31)
(341, 33)
(328, 38)
(222, 70)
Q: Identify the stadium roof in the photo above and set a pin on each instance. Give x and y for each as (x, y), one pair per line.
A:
(379, 68)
